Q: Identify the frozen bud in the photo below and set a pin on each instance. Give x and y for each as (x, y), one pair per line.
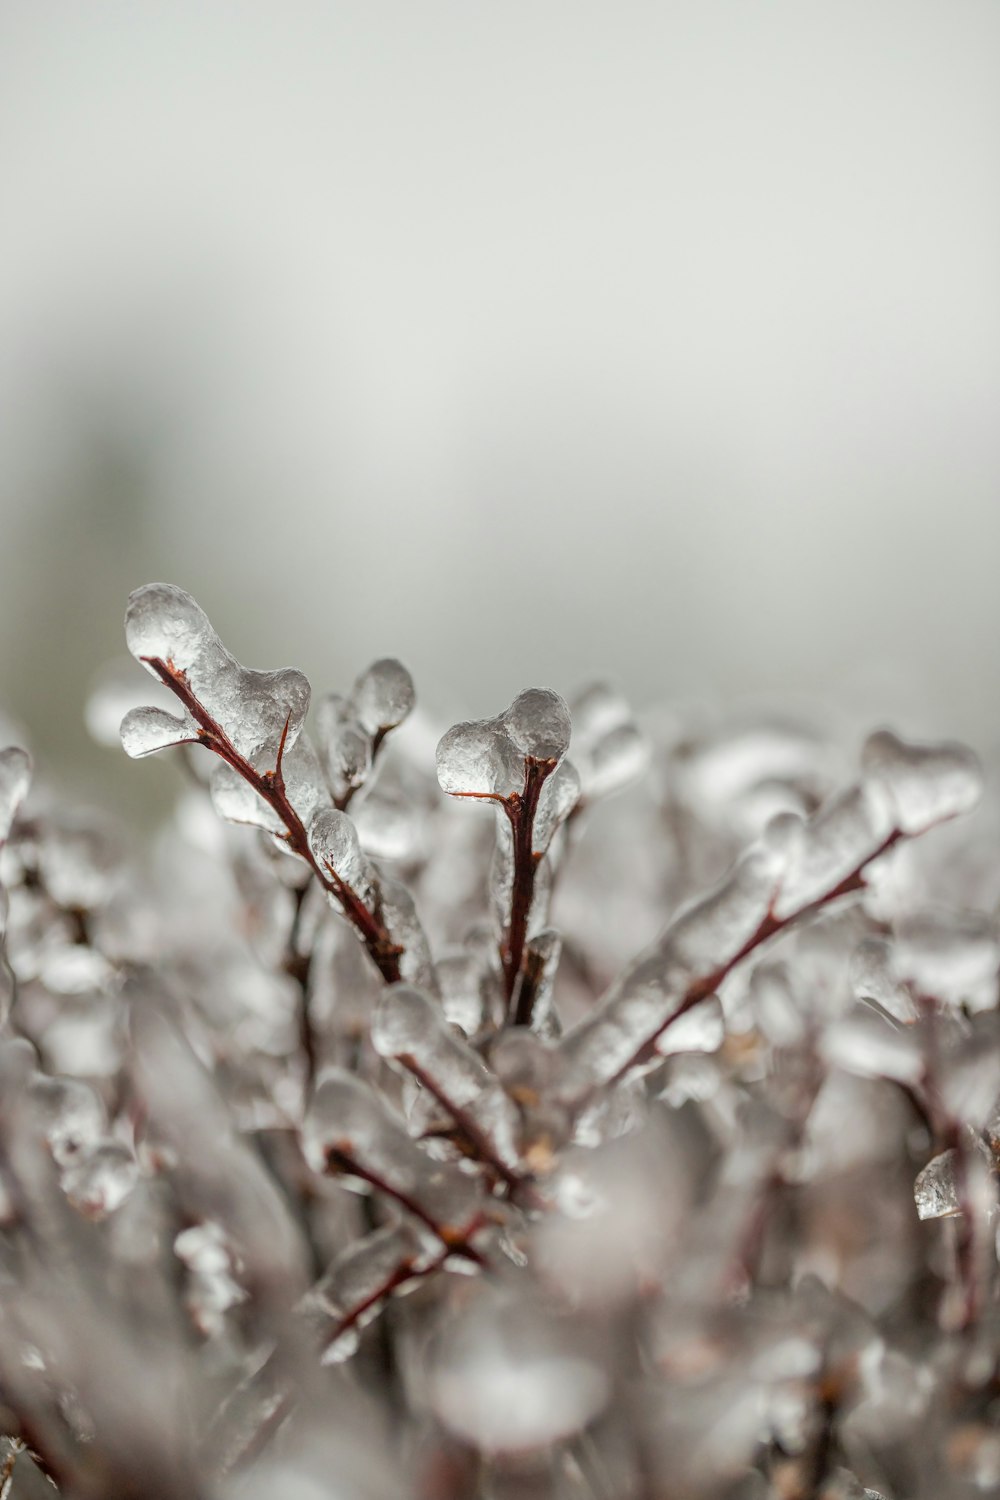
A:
(701, 1028)
(383, 695)
(921, 784)
(409, 1028)
(102, 1180)
(559, 796)
(538, 724)
(333, 840)
(15, 778)
(477, 759)
(71, 1114)
(146, 730)
(349, 1129)
(508, 1378)
(870, 1043)
(164, 623)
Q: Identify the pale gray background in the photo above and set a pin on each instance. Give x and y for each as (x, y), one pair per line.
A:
(524, 340)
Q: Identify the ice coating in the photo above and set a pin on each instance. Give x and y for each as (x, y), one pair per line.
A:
(822, 852)
(541, 961)
(873, 977)
(559, 796)
(399, 917)
(936, 1190)
(538, 723)
(170, 634)
(333, 840)
(409, 1028)
(953, 956)
(345, 747)
(478, 759)
(146, 730)
(718, 924)
(383, 695)
(921, 784)
(354, 1288)
(348, 1128)
(15, 778)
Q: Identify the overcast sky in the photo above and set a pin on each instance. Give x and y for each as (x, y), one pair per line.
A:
(525, 341)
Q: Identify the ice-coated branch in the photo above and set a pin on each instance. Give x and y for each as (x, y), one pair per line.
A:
(270, 787)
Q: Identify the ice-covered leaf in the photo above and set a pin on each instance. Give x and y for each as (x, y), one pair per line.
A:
(921, 784)
(559, 796)
(827, 848)
(333, 840)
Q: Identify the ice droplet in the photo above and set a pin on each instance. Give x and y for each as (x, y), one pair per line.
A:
(478, 759)
(936, 1188)
(165, 622)
(383, 695)
(15, 778)
(348, 1126)
(921, 784)
(538, 723)
(700, 1029)
(409, 1028)
(146, 730)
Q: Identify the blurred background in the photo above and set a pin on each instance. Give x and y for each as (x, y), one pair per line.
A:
(527, 342)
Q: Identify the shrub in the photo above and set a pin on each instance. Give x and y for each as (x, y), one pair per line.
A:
(352, 1152)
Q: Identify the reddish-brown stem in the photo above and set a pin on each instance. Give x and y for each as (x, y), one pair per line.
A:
(342, 1159)
(700, 989)
(405, 1271)
(270, 786)
(520, 809)
(466, 1124)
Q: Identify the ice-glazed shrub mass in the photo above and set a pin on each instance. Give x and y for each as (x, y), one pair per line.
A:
(488, 1134)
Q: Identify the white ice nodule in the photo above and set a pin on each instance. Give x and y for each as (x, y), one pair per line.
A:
(164, 625)
(383, 695)
(477, 759)
(538, 723)
(922, 784)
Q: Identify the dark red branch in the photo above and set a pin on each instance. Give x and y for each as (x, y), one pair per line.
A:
(270, 786)
(341, 1158)
(520, 809)
(700, 989)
